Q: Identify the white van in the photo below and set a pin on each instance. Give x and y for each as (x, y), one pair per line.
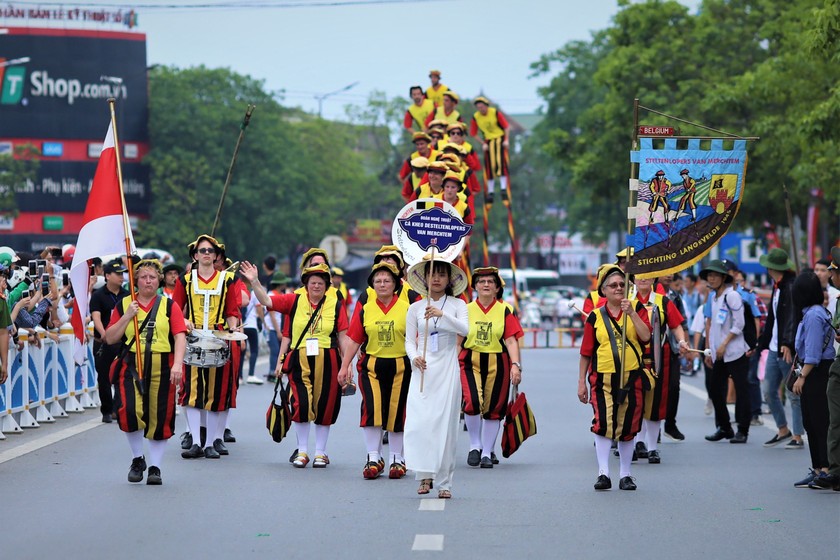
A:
(529, 280)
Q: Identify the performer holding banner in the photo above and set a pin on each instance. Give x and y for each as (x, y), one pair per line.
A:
(146, 407)
(210, 304)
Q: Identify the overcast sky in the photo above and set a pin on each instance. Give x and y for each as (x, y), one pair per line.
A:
(313, 47)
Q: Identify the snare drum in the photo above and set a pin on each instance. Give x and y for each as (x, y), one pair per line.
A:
(205, 350)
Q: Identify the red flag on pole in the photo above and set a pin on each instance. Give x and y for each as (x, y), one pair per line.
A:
(102, 233)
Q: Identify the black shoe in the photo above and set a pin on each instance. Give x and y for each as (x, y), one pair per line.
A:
(825, 481)
(740, 437)
(193, 452)
(653, 457)
(106, 418)
(488, 198)
(211, 453)
(203, 435)
(154, 477)
(494, 458)
(138, 466)
(384, 438)
(720, 434)
(229, 437)
(186, 440)
(627, 483)
(474, 458)
(674, 434)
(641, 450)
(220, 448)
(603, 482)
(486, 463)
(293, 456)
(504, 195)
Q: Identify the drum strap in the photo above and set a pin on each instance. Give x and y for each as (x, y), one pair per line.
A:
(147, 326)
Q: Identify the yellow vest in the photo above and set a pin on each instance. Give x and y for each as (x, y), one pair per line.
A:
(162, 340)
(425, 191)
(487, 329)
(489, 124)
(419, 113)
(452, 117)
(604, 362)
(385, 332)
(436, 95)
(433, 154)
(215, 289)
(323, 327)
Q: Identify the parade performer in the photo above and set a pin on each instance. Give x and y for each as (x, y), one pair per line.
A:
(419, 168)
(420, 108)
(317, 324)
(145, 404)
(171, 272)
(457, 133)
(437, 132)
(210, 303)
(378, 329)
(447, 111)
(423, 144)
(489, 364)
(435, 91)
(616, 402)
(687, 199)
(434, 187)
(495, 132)
(432, 415)
(659, 308)
(452, 193)
(223, 263)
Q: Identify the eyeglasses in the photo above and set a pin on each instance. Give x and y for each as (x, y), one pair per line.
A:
(207, 251)
(616, 285)
(456, 133)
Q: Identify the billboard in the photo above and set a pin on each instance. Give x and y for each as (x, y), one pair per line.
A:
(54, 86)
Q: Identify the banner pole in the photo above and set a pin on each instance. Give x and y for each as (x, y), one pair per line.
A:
(428, 305)
(627, 263)
(127, 233)
(242, 127)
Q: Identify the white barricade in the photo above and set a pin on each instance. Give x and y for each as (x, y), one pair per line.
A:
(20, 387)
(38, 375)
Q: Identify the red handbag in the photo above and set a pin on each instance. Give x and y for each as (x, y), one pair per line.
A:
(520, 423)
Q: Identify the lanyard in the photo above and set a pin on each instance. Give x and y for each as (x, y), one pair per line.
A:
(436, 319)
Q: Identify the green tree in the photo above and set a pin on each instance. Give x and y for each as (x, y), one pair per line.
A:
(16, 171)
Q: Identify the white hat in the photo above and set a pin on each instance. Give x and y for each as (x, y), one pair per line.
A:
(417, 278)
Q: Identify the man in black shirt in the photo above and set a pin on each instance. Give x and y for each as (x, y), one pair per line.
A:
(102, 302)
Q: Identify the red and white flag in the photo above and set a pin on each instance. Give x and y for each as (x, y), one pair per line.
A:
(103, 233)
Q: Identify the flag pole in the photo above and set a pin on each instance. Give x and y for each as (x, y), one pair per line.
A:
(127, 232)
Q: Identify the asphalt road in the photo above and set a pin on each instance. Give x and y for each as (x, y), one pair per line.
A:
(64, 494)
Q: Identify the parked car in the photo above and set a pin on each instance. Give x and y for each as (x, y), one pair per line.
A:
(554, 303)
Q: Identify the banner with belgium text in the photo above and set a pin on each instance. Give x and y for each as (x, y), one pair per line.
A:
(687, 200)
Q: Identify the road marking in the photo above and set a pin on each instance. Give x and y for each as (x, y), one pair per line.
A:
(44, 441)
(431, 504)
(428, 542)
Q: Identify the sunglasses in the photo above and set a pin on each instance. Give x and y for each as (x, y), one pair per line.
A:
(616, 285)
(455, 133)
(207, 251)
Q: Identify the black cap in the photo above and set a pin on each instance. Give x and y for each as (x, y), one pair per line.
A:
(115, 265)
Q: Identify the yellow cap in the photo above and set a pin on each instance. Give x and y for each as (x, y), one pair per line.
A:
(421, 136)
(452, 95)
(420, 162)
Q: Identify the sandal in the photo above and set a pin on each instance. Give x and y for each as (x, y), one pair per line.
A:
(425, 485)
(371, 471)
(321, 462)
(444, 494)
(301, 460)
(397, 471)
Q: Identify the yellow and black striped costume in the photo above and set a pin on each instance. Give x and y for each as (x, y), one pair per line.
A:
(611, 420)
(384, 369)
(496, 157)
(209, 388)
(154, 410)
(485, 362)
(315, 394)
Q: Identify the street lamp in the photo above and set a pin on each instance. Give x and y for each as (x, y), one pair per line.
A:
(321, 97)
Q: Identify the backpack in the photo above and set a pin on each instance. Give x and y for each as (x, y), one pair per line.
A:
(750, 333)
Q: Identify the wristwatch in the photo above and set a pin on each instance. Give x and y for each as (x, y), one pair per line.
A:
(517, 364)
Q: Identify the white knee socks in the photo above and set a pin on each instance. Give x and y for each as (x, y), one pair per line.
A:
(650, 428)
(625, 455)
(212, 428)
(473, 422)
(156, 449)
(602, 452)
(489, 430)
(321, 435)
(373, 442)
(491, 184)
(193, 416)
(135, 442)
(395, 446)
(220, 427)
(302, 432)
